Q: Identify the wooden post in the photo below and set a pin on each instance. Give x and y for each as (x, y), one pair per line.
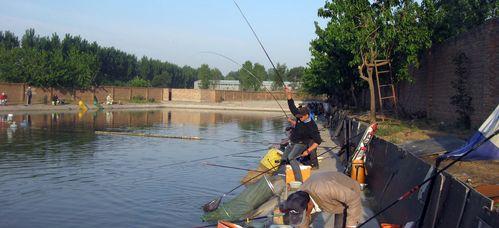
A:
(147, 93)
(130, 97)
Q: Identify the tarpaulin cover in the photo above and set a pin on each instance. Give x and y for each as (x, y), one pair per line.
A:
(250, 198)
(489, 150)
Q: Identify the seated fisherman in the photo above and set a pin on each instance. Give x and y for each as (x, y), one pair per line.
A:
(3, 99)
(55, 99)
(304, 130)
(109, 99)
(334, 194)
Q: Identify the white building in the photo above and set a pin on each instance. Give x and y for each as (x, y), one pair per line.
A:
(235, 85)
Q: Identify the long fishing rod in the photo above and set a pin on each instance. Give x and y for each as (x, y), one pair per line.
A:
(233, 167)
(417, 187)
(260, 42)
(250, 73)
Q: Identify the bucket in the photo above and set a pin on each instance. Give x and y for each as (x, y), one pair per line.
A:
(295, 185)
(305, 173)
(358, 171)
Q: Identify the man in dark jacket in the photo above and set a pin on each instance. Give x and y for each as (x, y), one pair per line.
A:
(304, 130)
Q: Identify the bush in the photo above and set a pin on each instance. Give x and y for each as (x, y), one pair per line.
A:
(141, 100)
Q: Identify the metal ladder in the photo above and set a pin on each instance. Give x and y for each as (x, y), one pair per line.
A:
(382, 68)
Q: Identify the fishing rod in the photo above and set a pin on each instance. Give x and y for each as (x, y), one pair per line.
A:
(232, 167)
(208, 158)
(417, 187)
(250, 73)
(258, 39)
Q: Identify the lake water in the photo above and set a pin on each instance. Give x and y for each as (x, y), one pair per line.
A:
(56, 172)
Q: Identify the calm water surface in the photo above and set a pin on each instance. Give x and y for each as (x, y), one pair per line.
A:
(55, 172)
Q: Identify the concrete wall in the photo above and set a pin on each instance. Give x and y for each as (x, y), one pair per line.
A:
(432, 87)
(393, 171)
(15, 93)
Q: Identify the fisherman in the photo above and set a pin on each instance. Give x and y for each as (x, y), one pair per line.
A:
(335, 195)
(303, 132)
(3, 99)
(109, 99)
(29, 94)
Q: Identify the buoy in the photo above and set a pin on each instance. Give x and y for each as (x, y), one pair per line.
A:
(358, 172)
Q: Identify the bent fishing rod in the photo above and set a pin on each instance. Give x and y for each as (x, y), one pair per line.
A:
(417, 187)
(250, 73)
(260, 42)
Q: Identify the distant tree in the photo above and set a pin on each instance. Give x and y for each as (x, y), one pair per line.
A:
(233, 75)
(205, 76)
(139, 82)
(295, 74)
(279, 77)
(246, 81)
(190, 76)
(8, 40)
(162, 80)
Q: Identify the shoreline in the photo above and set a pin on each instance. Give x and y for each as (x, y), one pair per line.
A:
(254, 106)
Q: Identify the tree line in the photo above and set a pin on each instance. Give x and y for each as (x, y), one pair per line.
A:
(75, 63)
(359, 33)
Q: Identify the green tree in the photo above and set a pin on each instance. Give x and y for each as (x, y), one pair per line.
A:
(162, 80)
(295, 74)
(361, 32)
(139, 82)
(278, 77)
(8, 40)
(205, 76)
(233, 75)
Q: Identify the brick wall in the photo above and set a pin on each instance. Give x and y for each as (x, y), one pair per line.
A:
(431, 90)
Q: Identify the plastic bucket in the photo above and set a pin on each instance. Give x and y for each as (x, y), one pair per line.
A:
(358, 171)
(295, 185)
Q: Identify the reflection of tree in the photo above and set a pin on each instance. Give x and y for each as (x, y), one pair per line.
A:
(250, 124)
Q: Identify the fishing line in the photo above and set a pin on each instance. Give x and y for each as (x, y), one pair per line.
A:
(250, 73)
(258, 39)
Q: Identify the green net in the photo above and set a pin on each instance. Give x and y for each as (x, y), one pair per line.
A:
(251, 198)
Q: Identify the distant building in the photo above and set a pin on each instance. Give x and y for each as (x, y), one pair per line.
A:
(235, 85)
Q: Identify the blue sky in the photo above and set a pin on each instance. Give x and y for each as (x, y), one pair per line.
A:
(177, 31)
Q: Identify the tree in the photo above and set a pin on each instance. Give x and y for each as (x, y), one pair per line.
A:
(204, 76)
(295, 74)
(233, 75)
(162, 80)
(278, 77)
(139, 82)
(448, 18)
(365, 32)
(8, 40)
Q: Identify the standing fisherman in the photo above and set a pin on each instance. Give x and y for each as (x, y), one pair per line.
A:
(29, 94)
(303, 132)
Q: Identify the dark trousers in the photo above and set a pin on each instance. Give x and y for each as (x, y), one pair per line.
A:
(29, 99)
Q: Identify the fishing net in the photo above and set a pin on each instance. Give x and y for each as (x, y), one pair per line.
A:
(251, 198)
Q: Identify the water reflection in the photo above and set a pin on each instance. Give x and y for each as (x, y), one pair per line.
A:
(54, 170)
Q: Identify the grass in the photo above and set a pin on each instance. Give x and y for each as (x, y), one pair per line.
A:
(141, 100)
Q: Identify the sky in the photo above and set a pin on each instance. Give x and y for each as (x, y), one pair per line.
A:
(177, 31)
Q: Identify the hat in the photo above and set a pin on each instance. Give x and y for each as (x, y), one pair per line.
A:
(295, 207)
(302, 111)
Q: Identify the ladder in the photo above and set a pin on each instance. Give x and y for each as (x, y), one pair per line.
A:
(383, 69)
